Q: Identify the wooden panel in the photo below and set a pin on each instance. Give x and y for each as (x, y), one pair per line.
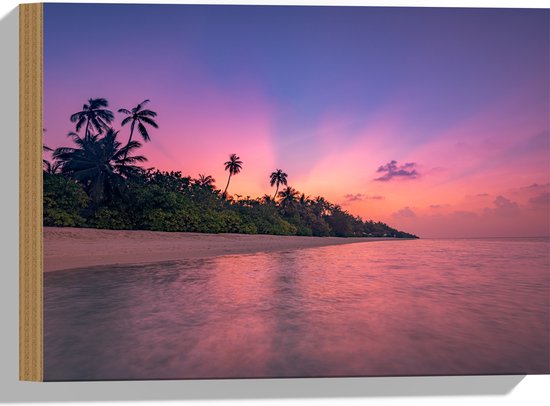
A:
(30, 192)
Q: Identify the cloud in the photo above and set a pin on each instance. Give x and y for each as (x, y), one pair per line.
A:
(392, 170)
(404, 213)
(354, 197)
(350, 197)
(503, 207)
(482, 195)
(542, 199)
(438, 206)
(536, 186)
(532, 189)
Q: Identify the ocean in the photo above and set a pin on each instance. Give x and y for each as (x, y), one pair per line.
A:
(404, 307)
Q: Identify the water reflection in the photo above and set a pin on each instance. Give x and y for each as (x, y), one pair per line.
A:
(289, 318)
(392, 308)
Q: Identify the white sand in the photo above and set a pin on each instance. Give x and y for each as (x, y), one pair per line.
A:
(67, 248)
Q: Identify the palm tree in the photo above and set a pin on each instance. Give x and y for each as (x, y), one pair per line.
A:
(45, 162)
(139, 116)
(234, 166)
(99, 163)
(51, 168)
(205, 181)
(304, 200)
(94, 115)
(277, 178)
(267, 199)
(288, 196)
(320, 206)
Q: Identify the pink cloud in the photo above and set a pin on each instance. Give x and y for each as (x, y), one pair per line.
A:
(392, 170)
(503, 207)
(404, 213)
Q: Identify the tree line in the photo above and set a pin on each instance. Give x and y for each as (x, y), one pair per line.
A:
(99, 182)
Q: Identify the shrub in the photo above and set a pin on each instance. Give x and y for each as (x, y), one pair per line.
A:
(64, 202)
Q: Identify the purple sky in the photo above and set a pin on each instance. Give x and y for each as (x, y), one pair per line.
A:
(433, 120)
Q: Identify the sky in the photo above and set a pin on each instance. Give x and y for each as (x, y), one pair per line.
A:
(435, 121)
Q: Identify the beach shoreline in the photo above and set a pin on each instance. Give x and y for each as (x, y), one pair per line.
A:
(70, 248)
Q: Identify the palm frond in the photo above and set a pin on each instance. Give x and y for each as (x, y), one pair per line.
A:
(106, 115)
(128, 148)
(76, 116)
(147, 113)
(143, 103)
(80, 123)
(136, 158)
(126, 121)
(62, 151)
(143, 132)
(149, 121)
(99, 102)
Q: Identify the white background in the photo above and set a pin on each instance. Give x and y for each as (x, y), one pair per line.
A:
(487, 390)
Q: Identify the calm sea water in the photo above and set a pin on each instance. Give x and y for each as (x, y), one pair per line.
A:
(422, 307)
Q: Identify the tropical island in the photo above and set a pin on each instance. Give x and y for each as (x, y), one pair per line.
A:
(99, 183)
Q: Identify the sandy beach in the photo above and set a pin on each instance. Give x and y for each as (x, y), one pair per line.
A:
(68, 248)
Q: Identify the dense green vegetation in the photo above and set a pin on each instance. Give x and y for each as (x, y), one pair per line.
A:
(98, 183)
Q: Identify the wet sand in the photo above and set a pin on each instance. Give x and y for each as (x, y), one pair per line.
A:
(69, 248)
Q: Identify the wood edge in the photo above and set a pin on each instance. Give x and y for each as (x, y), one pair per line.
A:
(30, 192)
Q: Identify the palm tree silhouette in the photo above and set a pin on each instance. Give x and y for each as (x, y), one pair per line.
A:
(205, 181)
(277, 178)
(45, 162)
(320, 206)
(234, 166)
(99, 163)
(267, 199)
(304, 200)
(139, 116)
(288, 196)
(94, 115)
(51, 168)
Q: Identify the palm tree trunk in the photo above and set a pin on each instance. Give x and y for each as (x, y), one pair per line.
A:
(226, 186)
(87, 126)
(129, 141)
(276, 190)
